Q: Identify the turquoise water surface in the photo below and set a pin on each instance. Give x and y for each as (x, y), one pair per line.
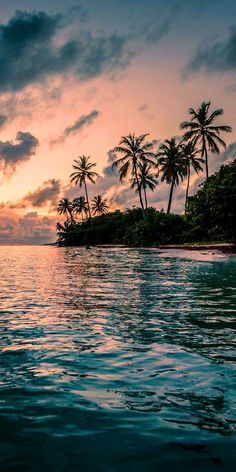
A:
(117, 360)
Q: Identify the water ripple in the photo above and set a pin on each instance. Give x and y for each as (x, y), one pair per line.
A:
(133, 350)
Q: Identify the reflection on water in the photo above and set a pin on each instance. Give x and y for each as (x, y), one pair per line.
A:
(116, 360)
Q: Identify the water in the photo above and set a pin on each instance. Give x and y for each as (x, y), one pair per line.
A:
(116, 360)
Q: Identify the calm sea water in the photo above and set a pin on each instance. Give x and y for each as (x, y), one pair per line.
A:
(116, 360)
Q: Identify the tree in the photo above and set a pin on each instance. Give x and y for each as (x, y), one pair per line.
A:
(190, 155)
(99, 206)
(83, 172)
(171, 164)
(146, 180)
(80, 206)
(134, 151)
(212, 210)
(65, 207)
(201, 128)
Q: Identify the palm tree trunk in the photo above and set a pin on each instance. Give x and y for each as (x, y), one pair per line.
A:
(71, 217)
(170, 197)
(86, 193)
(206, 156)
(206, 159)
(139, 192)
(145, 197)
(187, 189)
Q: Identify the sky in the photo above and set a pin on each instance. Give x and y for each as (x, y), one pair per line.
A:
(78, 75)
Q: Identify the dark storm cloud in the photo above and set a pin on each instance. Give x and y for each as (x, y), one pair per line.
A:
(12, 154)
(81, 122)
(217, 57)
(28, 51)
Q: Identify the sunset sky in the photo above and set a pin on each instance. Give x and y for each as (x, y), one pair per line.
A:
(76, 75)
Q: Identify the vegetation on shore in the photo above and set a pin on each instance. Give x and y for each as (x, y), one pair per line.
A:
(209, 214)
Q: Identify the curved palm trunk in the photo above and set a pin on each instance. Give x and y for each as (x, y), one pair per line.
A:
(206, 159)
(71, 216)
(187, 189)
(206, 156)
(86, 193)
(145, 197)
(139, 192)
(170, 197)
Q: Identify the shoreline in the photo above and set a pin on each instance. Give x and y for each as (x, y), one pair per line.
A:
(223, 247)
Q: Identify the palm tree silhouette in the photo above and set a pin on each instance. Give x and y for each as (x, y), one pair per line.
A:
(99, 206)
(190, 156)
(171, 164)
(146, 180)
(134, 151)
(201, 128)
(65, 207)
(83, 172)
(80, 206)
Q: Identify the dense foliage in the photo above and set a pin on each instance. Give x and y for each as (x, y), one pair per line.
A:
(211, 212)
(211, 216)
(127, 228)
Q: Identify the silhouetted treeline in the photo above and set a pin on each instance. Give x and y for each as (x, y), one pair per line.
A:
(211, 216)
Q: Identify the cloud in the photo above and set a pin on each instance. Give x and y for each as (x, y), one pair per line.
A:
(108, 171)
(170, 10)
(82, 122)
(3, 120)
(219, 56)
(229, 154)
(31, 228)
(11, 155)
(30, 51)
(47, 195)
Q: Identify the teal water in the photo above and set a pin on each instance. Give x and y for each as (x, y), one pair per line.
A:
(116, 360)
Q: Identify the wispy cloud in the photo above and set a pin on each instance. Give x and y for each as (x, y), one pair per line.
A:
(78, 125)
(218, 56)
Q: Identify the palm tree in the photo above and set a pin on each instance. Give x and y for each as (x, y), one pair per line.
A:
(80, 206)
(171, 164)
(190, 156)
(99, 205)
(83, 172)
(134, 151)
(65, 207)
(201, 128)
(146, 179)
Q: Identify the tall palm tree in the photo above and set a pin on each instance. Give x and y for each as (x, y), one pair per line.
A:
(171, 164)
(83, 172)
(134, 151)
(201, 128)
(65, 207)
(80, 206)
(146, 180)
(99, 206)
(190, 155)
